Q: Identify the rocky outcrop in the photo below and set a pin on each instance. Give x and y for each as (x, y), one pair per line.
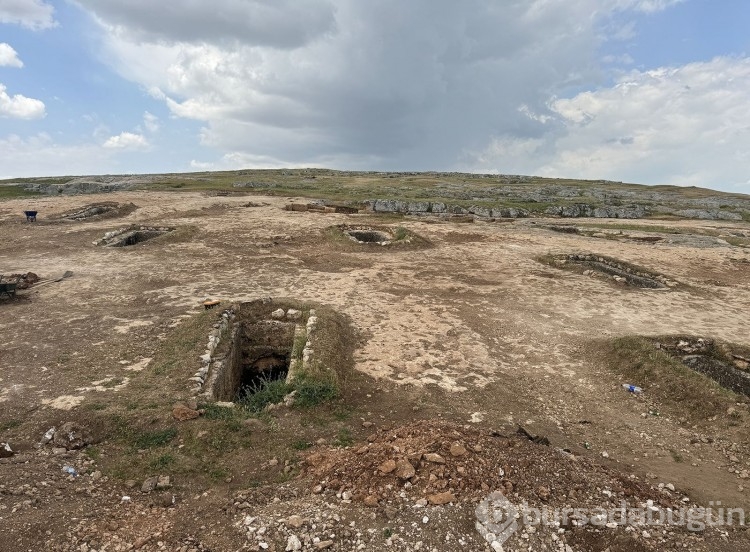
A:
(577, 210)
(440, 208)
(88, 185)
(708, 214)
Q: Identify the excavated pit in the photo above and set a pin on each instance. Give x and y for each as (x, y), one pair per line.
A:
(132, 235)
(139, 236)
(368, 235)
(702, 355)
(260, 351)
(99, 210)
(612, 268)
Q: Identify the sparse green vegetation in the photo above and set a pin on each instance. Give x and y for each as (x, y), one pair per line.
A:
(212, 411)
(15, 192)
(267, 391)
(153, 439)
(677, 388)
(400, 233)
(162, 462)
(301, 444)
(312, 391)
(344, 438)
(9, 424)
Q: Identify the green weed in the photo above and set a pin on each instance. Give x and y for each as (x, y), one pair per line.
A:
(153, 439)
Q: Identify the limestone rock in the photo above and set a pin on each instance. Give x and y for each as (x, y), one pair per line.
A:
(404, 469)
(457, 449)
(182, 413)
(71, 436)
(5, 450)
(441, 498)
(294, 521)
(434, 458)
(388, 466)
(149, 484)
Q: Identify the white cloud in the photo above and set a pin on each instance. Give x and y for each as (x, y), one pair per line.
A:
(151, 122)
(20, 107)
(8, 56)
(39, 155)
(687, 125)
(127, 141)
(32, 14)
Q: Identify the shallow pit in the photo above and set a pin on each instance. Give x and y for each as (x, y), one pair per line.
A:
(139, 236)
(132, 235)
(618, 271)
(368, 236)
(95, 211)
(720, 363)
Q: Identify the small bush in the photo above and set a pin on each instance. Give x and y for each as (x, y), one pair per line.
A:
(161, 462)
(400, 233)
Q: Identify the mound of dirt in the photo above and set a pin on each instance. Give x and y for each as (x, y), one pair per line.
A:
(433, 459)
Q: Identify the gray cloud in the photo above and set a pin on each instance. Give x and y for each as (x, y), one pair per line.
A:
(33, 14)
(425, 84)
(276, 23)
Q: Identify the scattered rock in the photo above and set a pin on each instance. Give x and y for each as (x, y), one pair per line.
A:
(5, 450)
(434, 458)
(71, 436)
(182, 412)
(371, 501)
(404, 469)
(458, 449)
(388, 466)
(293, 543)
(295, 522)
(441, 498)
(149, 484)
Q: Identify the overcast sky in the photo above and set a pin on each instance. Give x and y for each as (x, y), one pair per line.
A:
(648, 91)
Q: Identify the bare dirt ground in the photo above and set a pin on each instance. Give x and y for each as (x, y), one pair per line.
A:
(472, 331)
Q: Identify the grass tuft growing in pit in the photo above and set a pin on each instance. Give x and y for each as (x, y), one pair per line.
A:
(263, 393)
(679, 390)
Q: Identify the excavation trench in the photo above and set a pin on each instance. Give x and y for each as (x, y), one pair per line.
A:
(702, 355)
(139, 236)
(133, 235)
(266, 344)
(619, 271)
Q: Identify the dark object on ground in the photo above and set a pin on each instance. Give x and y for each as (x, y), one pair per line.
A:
(30, 216)
(538, 439)
(210, 304)
(7, 288)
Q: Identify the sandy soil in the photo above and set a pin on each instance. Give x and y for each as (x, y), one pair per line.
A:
(474, 318)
